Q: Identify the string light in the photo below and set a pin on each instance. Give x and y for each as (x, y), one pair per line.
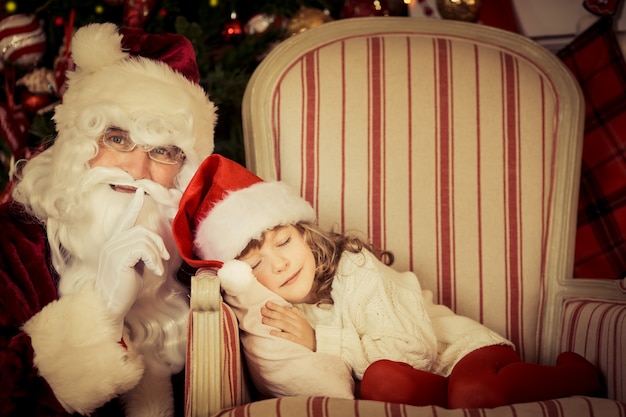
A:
(10, 6)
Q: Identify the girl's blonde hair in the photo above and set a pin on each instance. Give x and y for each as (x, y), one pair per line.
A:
(327, 247)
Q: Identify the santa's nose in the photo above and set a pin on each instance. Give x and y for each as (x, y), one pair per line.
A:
(137, 163)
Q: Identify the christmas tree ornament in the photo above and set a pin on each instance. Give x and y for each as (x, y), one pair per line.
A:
(233, 29)
(465, 10)
(261, 22)
(22, 40)
(40, 87)
(136, 12)
(306, 18)
(33, 102)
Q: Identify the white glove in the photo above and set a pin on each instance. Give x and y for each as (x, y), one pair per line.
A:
(118, 280)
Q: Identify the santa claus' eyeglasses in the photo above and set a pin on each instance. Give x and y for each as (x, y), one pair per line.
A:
(118, 140)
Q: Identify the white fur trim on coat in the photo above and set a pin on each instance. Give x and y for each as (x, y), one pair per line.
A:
(244, 215)
(77, 350)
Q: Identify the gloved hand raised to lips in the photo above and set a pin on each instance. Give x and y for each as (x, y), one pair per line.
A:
(118, 280)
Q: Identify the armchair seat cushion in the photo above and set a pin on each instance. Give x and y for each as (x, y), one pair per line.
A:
(335, 407)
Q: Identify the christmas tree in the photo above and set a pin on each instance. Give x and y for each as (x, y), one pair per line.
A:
(230, 39)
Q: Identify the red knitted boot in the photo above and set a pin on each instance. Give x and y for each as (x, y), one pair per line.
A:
(398, 382)
(495, 375)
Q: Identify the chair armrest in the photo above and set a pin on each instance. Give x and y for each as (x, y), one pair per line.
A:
(215, 374)
(596, 329)
(588, 316)
(203, 381)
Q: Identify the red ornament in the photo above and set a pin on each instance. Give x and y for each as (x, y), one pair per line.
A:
(32, 102)
(136, 12)
(22, 40)
(233, 29)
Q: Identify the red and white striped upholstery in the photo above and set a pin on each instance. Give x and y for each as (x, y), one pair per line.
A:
(597, 329)
(334, 407)
(214, 377)
(454, 145)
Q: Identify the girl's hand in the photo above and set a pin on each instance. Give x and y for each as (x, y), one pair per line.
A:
(291, 324)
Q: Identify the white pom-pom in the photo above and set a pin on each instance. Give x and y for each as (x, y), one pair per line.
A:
(235, 277)
(97, 45)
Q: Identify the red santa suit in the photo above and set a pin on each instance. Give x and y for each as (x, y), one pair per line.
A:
(61, 349)
(29, 301)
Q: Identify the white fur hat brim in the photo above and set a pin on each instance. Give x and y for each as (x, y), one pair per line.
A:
(244, 215)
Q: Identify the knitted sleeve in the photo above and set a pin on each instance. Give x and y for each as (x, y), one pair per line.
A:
(379, 318)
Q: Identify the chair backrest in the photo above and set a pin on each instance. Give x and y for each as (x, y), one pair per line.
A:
(454, 145)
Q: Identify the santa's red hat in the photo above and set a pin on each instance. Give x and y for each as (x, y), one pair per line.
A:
(136, 77)
(226, 206)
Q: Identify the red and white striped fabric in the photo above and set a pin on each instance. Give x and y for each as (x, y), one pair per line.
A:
(234, 384)
(440, 148)
(214, 376)
(334, 407)
(596, 329)
(455, 146)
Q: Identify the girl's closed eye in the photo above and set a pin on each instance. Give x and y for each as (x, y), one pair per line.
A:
(282, 237)
(255, 264)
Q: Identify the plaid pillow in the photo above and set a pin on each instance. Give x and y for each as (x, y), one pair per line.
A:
(596, 60)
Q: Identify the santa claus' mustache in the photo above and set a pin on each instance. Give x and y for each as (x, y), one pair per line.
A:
(121, 180)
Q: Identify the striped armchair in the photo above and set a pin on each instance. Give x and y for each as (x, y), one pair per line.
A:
(457, 147)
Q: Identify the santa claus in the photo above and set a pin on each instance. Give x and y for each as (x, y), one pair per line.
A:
(91, 314)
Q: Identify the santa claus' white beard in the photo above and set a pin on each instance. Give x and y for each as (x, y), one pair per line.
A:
(100, 208)
(158, 319)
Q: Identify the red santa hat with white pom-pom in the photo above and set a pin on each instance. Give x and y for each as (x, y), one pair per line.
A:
(139, 74)
(226, 206)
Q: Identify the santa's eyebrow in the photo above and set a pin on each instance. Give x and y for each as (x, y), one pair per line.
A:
(112, 128)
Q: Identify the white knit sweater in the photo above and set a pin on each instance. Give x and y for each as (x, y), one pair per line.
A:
(379, 313)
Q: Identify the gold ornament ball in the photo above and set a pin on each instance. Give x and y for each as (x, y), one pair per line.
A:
(306, 18)
(465, 10)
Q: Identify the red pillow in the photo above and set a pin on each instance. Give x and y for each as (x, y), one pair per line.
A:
(596, 60)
